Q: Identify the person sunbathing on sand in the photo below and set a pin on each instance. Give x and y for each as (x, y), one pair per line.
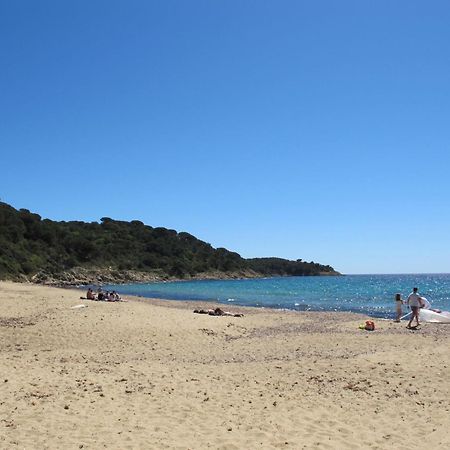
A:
(90, 294)
(217, 312)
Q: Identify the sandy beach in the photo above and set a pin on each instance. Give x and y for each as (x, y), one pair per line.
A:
(151, 374)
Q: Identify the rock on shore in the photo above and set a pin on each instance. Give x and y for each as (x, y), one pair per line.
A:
(83, 276)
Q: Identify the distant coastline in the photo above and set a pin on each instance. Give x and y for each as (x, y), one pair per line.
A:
(112, 251)
(84, 277)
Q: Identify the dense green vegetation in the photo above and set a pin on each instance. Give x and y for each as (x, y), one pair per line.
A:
(279, 266)
(29, 245)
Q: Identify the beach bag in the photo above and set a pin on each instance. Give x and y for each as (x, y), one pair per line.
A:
(370, 325)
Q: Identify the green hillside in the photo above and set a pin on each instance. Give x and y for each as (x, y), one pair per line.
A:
(39, 249)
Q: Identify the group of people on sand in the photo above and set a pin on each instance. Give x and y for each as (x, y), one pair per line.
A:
(108, 296)
(414, 301)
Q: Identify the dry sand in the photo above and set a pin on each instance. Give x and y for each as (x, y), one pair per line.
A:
(153, 375)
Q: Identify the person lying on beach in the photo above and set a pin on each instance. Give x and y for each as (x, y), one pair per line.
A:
(217, 312)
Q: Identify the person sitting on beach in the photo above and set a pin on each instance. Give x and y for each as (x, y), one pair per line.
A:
(415, 302)
(112, 296)
(398, 306)
(101, 295)
(90, 294)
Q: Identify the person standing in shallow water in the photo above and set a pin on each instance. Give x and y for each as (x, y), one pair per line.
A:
(414, 302)
(398, 307)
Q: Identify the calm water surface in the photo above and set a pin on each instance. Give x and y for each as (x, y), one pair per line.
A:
(369, 294)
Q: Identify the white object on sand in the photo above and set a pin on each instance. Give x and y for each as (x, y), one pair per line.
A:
(427, 315)
(78, 306)
(433, 316)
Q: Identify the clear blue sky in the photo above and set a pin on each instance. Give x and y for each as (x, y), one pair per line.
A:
(301, 129)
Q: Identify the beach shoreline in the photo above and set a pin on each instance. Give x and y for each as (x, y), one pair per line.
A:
(149, 373)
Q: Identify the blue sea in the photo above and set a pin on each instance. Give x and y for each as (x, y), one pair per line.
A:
(368, 294)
